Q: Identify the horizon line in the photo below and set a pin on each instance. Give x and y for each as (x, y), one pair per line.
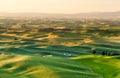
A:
(64, 13)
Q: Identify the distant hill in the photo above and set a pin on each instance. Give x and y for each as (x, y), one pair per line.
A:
(106, 15)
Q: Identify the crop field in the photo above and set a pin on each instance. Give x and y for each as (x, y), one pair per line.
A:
(59, 48)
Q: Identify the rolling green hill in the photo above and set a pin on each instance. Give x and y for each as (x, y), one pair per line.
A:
(107, 67)
(60, 53)
(86, 66)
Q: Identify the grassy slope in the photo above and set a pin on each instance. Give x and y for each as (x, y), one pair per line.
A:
(108, 67)
(88, 66)
(42, 67)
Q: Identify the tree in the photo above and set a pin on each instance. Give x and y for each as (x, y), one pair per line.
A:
(103, 53)
(93, 51)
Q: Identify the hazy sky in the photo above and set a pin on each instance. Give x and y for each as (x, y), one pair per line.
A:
(59, 6)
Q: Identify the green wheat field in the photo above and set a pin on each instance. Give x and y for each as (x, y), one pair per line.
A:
(59, 48)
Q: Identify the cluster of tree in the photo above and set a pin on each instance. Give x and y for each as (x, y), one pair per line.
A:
(106, 53)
